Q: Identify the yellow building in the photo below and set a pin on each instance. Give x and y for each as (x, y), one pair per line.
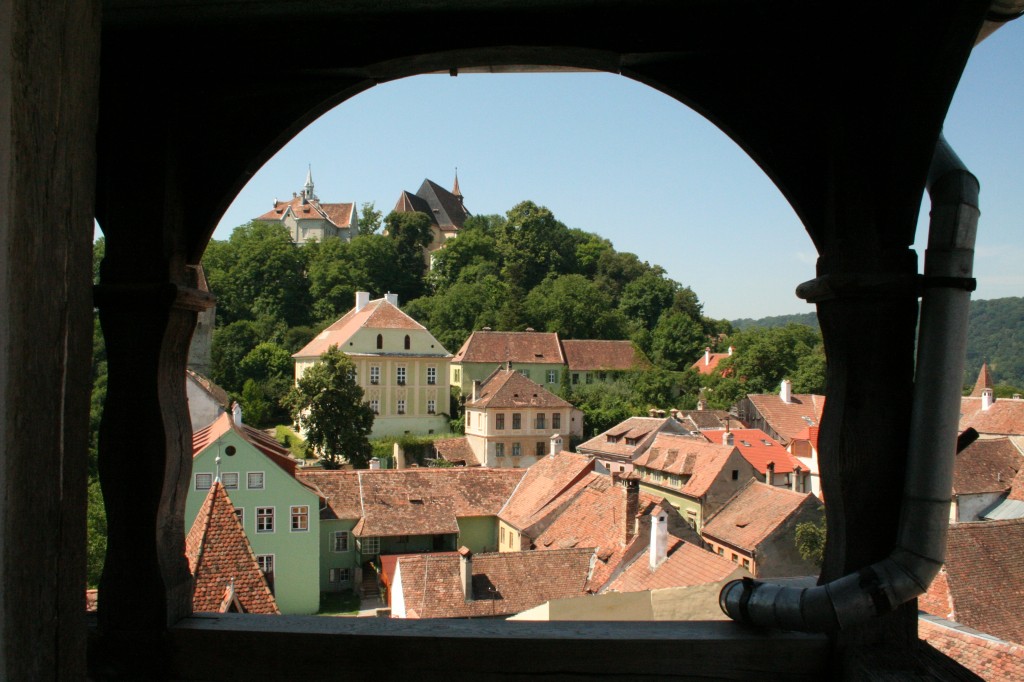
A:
(401, 367)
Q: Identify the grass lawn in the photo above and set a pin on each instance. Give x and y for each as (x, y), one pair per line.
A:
(291, 440)
(339, 603)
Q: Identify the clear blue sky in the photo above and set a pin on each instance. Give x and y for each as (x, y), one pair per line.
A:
(612, 156)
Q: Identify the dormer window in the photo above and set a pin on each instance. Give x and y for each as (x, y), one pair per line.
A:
(612, 439)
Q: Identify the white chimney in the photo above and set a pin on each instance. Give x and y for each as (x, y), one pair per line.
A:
(730, 350)
(787, 391)
(707, 356)
(375, 464)
(236, 414)
(466, 572)
(653, 412)
(476, 389)
(362, 298)
(727, 438)
(702, 404)
(769, 475)
(988, 397)
(796, 479)
(391, 298)
(658, 549)
(556, 444)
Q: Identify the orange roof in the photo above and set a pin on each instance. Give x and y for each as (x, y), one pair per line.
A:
(989, 659)
(339, 489)
(590, 355)
(631, 437)
(984, 381)
(789, 419)
(687, 456)
(377, 314)
(339, 215)
(810, 434)
(1004, 417)
(510, 389)
(503, 583)
(686, 565)
(456, 450)
(755, 512)
(758, 448)
(221, 559)
(277, 453)
(708, 362)
(988, 465)
(544, 481)
(517, 347)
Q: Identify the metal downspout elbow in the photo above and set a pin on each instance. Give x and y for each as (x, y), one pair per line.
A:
(924, 518)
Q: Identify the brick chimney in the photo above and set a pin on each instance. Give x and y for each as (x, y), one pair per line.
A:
(988, 396)
(632, 487)
(466, 572)
(658, 550)
(362, 298)
(786, 393)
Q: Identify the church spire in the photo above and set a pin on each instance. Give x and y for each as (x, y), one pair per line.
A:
(455, 189)
(307, 189)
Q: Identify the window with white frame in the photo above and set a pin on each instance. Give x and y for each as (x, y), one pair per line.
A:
(517, 449)
(517, 421)
(401, 407)
(374, 374)
(230, 481)
(556, 420)
(431, 406)
(375, 406)
(499, 449)
(266, 564)
(300, 518)
(552, 376)
(369, 545)
(431, 375)
(254, 480)
(525, 373)
(264, 519)
(340, 575)
(240, 513)
(204, 481)
(400, 375)
(339, 541)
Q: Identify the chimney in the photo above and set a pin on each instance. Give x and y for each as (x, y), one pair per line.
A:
(466, 572)
(770, 474)
(391, 298)
(988, 397)
(632, 506)
(730, 351)
(476, 389)
(375, 464)
(556, 444)
(236, 414)
(707, 356)
(727, 438)
(796, 479)
(702, 404)
(653, 412)
(658, 549)
(1016, 396)
(675, 414)
(362, 298)
(787, 391)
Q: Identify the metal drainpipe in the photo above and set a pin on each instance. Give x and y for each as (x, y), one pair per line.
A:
(924, 518)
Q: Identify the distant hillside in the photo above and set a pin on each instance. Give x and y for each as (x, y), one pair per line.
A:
(809, 319)
(995, 334)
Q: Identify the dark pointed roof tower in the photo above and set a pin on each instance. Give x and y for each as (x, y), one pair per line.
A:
(984, 381)
(455, 187)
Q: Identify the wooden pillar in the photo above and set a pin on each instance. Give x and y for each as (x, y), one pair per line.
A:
(48, 109)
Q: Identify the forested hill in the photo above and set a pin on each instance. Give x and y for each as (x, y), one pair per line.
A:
(995, 335)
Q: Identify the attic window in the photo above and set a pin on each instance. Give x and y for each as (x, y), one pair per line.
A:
(766, 442)
(416, 500)
(742, 524)
(745, 443)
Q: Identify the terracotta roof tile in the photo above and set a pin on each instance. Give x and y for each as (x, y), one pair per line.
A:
(377, 314)
(686, 565)
(708, 362)
(220, 557)
(789, 419)
(696, 420)
(1005, 417)
(683, 455)
(276, 452)
(340, 490)
(987, 465)
(985, 576)
(544, 481)
(593, 355)
(219, 395)
(516, 347)
(988, 658)
(508, 388)
(456, 450)
(340, 215)
(503, 583)
(639, 430)
(755, 512)
(758, 448)
(810, 434)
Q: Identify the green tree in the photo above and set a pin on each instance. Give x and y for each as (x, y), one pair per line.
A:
(810, 540)
(676, 340)
(575, 307)
(327, 404)
(266, 373)
(231, 343)
(411, 233)
(96, 535)
(532, 244)
(646, 297)
(370, 219)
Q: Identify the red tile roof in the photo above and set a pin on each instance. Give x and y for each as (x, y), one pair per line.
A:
(988, 658)
(987, 465)
(339, 215)
(503, 583)
(810, 434)
(984, 381)
(221, 559)
(708, 362)
(640, 431)
(687, 456)
(509, 389)
(985, 577)
(758, 448)
(218, 394)
(757, 511)
(789, 419)
(517, 347)
(456, 450)
(686, 565)
(1004, 417)
(592, 355)
(377, 314)
(695, 420)
(276, 452)
(413, 501)
(545, 481)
